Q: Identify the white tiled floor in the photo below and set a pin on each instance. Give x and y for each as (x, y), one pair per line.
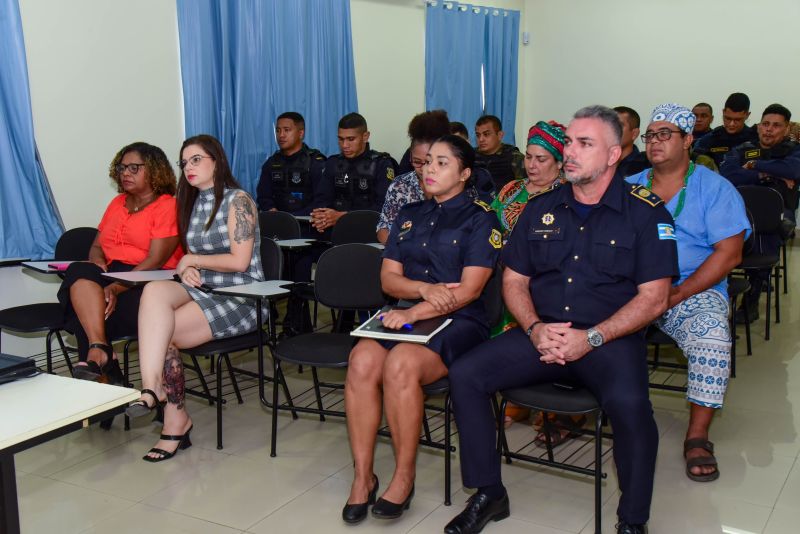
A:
(94, 481)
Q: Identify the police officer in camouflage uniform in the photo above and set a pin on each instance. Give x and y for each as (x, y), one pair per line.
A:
(358, 177)
(291, 179)
(503, 161)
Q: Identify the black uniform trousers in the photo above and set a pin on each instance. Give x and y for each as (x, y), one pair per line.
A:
(615, 373)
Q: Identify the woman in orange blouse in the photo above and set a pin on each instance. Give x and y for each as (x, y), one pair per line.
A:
(138, 232)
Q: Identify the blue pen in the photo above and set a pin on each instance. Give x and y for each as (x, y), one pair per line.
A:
(406, 326)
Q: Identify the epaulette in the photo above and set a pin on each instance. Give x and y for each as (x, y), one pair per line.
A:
(316, 154)
(646, 196)
(482, 204)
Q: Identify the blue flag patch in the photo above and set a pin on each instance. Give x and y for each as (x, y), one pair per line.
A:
(666, 231)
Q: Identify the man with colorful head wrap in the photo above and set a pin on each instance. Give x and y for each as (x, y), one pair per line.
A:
(710, 227)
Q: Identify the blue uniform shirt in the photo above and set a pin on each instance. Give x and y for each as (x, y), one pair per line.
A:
(712, 211)
(585, 270)
(434, 242)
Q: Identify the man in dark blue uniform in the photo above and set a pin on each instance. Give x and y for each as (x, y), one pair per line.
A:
(358, 177)
(705, 117)
(588, 265)
(632, 160)
(733, 132)
(291, 179)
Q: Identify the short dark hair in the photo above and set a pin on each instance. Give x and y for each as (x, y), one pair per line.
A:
(704, 105)
(604, 114)
(429, 126)
(351, 121)
(777, 109)
(457, 128)
(293, 116)
(489, 118)
(633, 117)
(738, 102)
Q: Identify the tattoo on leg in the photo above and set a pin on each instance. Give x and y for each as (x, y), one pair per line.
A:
(174, 379)
(245, 219)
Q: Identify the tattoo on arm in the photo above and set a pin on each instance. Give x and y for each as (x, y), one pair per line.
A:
(245, 219)
(174, 379)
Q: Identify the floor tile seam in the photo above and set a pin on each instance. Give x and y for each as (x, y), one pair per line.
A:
(94, 521)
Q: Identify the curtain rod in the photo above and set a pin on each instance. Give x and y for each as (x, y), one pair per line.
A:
(462, 7)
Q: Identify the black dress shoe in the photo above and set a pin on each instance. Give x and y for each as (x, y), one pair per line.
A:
(356, 513)
(479, 511)
(627, 528)
(384, 509)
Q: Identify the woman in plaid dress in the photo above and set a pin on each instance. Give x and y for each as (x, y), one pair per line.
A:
(218, 226)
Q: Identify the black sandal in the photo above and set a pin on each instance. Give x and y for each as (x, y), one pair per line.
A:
(92, 370)
(140, 408)
(184, 440)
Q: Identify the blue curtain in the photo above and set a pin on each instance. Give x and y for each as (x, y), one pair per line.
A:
(245, 62)
(500, 67)
(461, 42)
(29, 221)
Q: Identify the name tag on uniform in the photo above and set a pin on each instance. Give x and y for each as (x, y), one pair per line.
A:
(719, 149)
(752, 154)
(666, 231)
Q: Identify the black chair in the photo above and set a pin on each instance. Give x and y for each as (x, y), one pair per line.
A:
(765, 205)
(739, 287)
(278, 225)
(356, 226)
(787, 234)
(654, 336)
(73, 245)
(272, 264)
(562, 400)
(347, 278)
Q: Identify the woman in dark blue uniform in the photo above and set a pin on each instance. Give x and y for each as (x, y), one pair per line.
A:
(440, 253)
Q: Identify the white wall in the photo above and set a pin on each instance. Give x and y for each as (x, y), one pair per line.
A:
(103, 73)
(643, 53)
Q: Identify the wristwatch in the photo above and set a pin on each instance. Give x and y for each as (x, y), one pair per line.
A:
(594, 337)
(529, 331)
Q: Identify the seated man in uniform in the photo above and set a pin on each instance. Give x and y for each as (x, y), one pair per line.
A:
(772, 161)
(358, 177)
(710, 228)
(504, 162)
(632, 160)
(482, 183)
(291, 179)
(733, 132)
(588, 266)
(705, 116)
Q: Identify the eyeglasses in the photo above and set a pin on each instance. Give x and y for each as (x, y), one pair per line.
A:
(664, 134)
(194, 160)
(133, 168)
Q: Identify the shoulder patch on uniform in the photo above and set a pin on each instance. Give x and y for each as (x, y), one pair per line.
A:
(666, 231)
(496, 238)
(389, 174)
(752, 154)
(646, 196)
(482, 204)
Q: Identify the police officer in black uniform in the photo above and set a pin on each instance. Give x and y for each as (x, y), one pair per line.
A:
(291, 179)
(632, 161)
(588, 266)
(503, 161)
(357, 177)
(733, 132)
(773, 161)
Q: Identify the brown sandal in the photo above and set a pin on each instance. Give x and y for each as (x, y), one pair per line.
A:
(562, 429)
(700, 443)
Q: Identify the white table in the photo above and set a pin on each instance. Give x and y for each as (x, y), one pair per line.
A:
(39, 409)
(291, 244)
(8, 262)
(43, 266)
(304, 218)
(139, 278)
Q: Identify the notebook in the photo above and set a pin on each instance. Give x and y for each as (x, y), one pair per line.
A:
(420, 332)
(14, 367)
(59, 266)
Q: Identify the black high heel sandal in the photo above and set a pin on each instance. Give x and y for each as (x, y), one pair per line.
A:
(92, 370)
(185, 443)
(356, 513)
(140, 407)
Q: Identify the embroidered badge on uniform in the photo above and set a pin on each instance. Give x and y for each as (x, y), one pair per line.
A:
(752, 154)
(390, 174)
(666, 231)
(496, 238)
(406, 225)
(548, 219)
